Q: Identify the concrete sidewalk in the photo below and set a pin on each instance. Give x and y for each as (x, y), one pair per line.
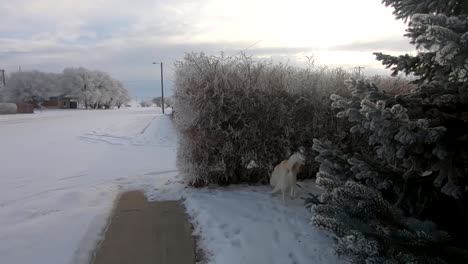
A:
(141, 232)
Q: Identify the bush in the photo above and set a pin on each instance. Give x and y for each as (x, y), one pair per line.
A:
(392, 85)
(237, 118)
(146, 103)
(158, 101)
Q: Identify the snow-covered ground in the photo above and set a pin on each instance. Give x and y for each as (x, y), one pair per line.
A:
(60, 172)
(245, 224)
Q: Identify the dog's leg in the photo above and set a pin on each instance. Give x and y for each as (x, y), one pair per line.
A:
(292, 192)
(275, 190)
(284, 200)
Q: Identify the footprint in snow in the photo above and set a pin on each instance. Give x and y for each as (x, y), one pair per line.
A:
(42, 212)
(236, 243)
(292, 258)
(276, 235)
(260, 207)
(297, 235)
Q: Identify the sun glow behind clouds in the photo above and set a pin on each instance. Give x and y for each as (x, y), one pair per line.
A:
(297, 23)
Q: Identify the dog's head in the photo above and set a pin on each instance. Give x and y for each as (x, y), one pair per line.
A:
(296, 162)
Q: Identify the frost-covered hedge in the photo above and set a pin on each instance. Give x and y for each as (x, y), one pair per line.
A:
(237, 117)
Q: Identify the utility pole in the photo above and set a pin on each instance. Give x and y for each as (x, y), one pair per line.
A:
(162, 86)
(3, 77)
(359, 68)
(162, 89)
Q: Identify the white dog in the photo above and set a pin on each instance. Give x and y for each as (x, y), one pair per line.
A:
(284, 175)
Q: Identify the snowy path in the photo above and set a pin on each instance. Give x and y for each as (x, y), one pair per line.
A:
(61, 170)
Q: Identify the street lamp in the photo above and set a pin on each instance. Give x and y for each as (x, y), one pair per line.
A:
(162, 86)
(3, 76)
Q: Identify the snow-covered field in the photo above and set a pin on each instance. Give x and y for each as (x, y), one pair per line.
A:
(60, 172)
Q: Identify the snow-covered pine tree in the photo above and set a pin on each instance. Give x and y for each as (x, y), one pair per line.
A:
(439, 29)
(418, 165)
(367, 226)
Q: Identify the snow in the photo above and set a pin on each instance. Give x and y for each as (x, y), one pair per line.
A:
(61, 170)
(245, 224)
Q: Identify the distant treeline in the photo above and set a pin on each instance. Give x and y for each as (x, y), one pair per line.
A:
(92, 89)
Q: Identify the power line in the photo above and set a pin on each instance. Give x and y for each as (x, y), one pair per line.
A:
(149, 81)
(252, 45)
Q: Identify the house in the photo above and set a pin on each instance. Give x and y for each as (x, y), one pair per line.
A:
(24, 108)
(63, 102)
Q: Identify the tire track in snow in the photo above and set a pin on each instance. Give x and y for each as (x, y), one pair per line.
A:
(149, 124)
(160, 172)
(158, 136)
(71, 177)
(8, 202)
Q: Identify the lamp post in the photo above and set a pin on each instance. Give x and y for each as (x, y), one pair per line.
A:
(162, 86)
(3, 76)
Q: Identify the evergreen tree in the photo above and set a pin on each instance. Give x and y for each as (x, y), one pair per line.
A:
(440, 31)
(418, 162)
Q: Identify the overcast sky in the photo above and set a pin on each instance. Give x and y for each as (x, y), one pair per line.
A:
(124, 37)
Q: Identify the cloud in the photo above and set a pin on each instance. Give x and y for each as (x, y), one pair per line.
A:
(396, 44)
(123, 37)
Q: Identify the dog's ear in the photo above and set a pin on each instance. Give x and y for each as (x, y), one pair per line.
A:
(301, 150)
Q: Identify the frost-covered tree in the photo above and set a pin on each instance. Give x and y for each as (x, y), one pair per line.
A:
(103, 90)
(31, 86)
(79, 83)
(440, 103)
(92, 88)
(95, 89)
(146, 103)
(121, 94)
(167, 101)
(417, 162)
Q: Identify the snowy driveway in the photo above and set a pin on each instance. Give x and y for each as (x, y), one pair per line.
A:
(61, 170)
